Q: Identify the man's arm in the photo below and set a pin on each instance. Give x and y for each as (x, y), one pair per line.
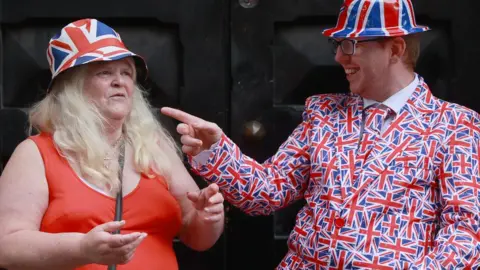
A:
(259, 189)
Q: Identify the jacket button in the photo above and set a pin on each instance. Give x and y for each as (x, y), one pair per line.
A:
(339, 222)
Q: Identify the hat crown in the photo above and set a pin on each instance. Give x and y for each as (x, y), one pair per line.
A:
(375, 18)
(83, 41)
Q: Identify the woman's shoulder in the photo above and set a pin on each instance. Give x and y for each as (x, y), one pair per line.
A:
(41, 143)
(26, 146)
(26, 153)
(40, 138)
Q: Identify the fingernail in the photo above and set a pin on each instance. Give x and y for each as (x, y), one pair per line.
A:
(207, 218)
(206, 209)
(144, 235)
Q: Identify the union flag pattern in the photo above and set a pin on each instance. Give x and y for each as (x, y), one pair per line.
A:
(413, 203)
(373, 18)
(82, 42)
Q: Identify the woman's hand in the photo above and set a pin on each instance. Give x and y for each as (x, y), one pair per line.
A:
(101, 247)
(208, 202)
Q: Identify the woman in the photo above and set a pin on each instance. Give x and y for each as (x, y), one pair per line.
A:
(58, 190)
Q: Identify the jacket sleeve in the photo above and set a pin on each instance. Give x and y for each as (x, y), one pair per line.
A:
(457, 243)
(259, 189)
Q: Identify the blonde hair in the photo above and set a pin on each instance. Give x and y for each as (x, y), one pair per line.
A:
(78, 127)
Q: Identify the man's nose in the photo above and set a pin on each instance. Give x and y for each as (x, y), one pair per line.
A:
(340, 57)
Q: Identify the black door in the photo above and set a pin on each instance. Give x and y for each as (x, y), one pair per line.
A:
(247, 65)
(279, 58)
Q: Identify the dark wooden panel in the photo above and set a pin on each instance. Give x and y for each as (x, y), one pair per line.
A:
(13, 130)
(465, 28)
(273, 58)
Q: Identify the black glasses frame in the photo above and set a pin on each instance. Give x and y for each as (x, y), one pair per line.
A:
(353, 42)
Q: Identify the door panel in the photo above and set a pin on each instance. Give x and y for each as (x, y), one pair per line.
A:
(247, 65)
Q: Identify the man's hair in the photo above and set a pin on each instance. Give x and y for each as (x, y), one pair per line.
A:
(412, 50)
(78, 127)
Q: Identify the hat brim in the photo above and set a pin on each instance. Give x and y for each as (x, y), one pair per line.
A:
(109, 54)
(373, 32)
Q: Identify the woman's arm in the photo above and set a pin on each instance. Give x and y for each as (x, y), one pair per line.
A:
(23, 201)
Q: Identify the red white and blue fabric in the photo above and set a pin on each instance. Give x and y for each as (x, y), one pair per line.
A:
(85, 41)
(375, 116)
(413, 203)
(375, 18)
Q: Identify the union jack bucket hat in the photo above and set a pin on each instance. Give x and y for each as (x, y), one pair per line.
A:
(85, 41)
(375, 18)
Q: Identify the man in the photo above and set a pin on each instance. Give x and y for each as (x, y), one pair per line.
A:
(389, 172)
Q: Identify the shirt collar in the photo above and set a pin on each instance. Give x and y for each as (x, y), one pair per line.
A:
(397, 100)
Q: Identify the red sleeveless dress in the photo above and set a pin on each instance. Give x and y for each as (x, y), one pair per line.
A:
(76, 207)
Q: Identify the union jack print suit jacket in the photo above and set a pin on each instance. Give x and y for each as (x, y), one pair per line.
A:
(412, 204)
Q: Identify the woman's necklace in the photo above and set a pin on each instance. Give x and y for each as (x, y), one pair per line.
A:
(108, 157)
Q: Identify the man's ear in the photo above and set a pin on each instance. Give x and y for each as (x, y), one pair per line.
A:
(398, 49)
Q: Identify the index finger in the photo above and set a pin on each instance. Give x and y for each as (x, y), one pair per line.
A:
(180, 115)
(211, 190)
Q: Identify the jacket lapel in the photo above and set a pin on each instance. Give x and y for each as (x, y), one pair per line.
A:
(404, 131)
(349, 124)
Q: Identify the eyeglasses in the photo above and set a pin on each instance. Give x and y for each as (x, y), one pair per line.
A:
(347, 45)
